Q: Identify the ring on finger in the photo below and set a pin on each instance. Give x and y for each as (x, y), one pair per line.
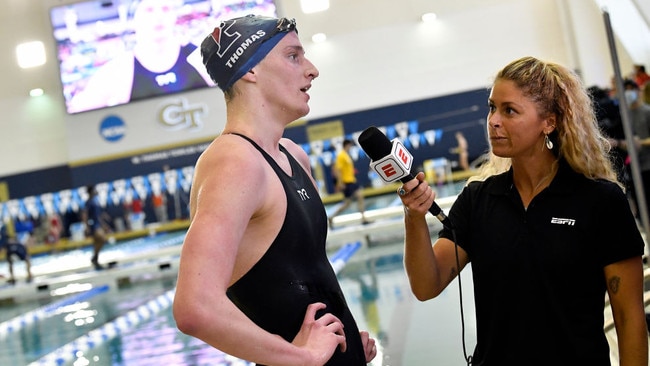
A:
(401, 191)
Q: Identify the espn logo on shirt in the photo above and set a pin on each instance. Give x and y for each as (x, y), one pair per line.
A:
(395, 166)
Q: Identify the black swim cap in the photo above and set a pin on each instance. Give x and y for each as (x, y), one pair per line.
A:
(238, 44)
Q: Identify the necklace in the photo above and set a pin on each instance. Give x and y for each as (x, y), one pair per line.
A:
(540, 186)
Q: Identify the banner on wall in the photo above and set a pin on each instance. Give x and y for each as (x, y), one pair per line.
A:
(136, 164)
(172, 182)
(150, 124)
(325, 130)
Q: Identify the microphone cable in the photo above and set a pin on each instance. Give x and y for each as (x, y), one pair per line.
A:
(468, 359)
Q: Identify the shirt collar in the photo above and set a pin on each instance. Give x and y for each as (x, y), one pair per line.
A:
(564, 182)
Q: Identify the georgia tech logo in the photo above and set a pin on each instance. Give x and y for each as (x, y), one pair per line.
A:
(561, 221)
(303, 194)
(179, 115)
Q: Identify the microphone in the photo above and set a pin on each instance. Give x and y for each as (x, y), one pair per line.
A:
(392, 161)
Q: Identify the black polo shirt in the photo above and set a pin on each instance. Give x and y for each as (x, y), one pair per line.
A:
(539, 284)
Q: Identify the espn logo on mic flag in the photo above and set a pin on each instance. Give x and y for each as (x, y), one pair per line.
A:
(395, 166)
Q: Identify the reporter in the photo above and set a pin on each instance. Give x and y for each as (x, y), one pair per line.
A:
(547, 229)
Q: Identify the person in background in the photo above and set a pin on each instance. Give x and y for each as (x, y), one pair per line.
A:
(96, 225)
(344, 173)
(609, 120)
(546, 226)
(642, 80)
(641, 77)
(54, 228)
(159, 203)
(640, 119)
(14, 248)
(254, 278)
(133, 211)
(462, 150)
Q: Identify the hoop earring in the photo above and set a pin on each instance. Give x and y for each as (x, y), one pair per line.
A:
(548, 142)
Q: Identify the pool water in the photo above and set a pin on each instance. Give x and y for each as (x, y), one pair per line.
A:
(374, 283)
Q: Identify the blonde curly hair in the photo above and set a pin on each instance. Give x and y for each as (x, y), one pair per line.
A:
(558, 91)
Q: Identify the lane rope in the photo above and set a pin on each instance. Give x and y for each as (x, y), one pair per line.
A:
(131, 319)
(14, 325)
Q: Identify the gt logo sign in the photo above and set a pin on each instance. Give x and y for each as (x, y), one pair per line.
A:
(179, 115)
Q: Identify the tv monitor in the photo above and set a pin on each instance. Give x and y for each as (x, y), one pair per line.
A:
(112, 52)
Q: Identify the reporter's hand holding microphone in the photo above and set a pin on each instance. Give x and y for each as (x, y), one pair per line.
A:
(417, 196)
(392, 161)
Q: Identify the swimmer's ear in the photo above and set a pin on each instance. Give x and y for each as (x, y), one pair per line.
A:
(250, 76)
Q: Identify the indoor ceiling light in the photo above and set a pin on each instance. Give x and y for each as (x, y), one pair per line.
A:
(30, 54)
(429, 17)
(313, 6)
(319, 38)
(36, 92)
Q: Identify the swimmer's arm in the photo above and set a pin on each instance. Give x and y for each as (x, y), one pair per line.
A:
(225, 195)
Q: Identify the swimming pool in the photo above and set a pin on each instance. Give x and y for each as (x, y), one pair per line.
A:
(129, 322)
(118, 325)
